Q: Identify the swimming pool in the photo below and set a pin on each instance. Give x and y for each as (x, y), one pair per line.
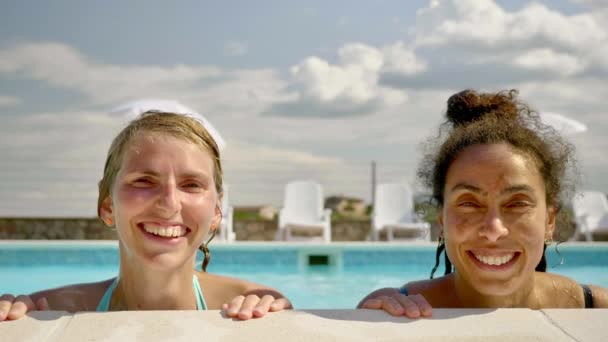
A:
(313, 276)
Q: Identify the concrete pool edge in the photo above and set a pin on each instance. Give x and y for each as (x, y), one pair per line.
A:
(317, 325)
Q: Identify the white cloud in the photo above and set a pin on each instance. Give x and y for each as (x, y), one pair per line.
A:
(535, 37)
(235, 48)
(9, 101)
(62, 66)
(485, 22)
(593, 3)
(549, 60)
(351, 86)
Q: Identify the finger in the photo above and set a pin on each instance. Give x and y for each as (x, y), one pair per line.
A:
(392, 306)
(6, 302)
(425, 308)
(21, 305)
(42, 304)
(246, 311)
(280, 304)
(262, 307)
(234, 306)
(410, 308)
(373, 303)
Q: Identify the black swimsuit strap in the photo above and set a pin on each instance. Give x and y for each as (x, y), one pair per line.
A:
(588, 296)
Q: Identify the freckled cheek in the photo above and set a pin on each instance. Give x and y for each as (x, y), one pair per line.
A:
(530, 234)
(459, 225)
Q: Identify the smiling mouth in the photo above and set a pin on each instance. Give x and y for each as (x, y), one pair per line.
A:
(168, 232)
(494, 260)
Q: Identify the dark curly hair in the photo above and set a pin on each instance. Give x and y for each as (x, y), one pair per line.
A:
(475, 118)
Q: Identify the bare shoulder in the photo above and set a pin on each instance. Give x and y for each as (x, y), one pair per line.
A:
(426, 285)
(76, 297)
(560, 291)
(219, 289)
(436, 291)
(600, 296)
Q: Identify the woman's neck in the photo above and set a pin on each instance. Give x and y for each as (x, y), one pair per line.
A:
(142, 288)
(469, 297)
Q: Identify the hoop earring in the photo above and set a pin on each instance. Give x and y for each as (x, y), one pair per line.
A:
(205, 249)
(548, 242)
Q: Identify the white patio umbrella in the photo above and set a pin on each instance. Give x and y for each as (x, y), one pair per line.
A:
(562, 123)
(132, 110)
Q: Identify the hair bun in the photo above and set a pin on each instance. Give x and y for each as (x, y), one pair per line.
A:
(468, 106)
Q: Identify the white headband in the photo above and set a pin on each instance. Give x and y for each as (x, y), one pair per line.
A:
(134, 109)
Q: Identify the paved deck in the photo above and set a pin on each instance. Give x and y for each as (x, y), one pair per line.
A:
(313, 325)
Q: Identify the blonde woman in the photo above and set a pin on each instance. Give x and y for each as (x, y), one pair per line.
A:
(161, 190)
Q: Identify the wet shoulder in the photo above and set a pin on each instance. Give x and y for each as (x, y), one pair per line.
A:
(439, 292)
(75, 297)
(600, 296)
(559, 291)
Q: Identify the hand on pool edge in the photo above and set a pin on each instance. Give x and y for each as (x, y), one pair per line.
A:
(397, 304)
(253, 306)
(12, 308)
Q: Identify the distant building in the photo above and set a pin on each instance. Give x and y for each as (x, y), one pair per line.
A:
(346, 206)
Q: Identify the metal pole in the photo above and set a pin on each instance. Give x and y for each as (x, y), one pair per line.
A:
(373, 184)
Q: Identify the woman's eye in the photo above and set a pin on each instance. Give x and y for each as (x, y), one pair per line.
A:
(518, 204)
(142, 182)
(192, 185)
(467, 204)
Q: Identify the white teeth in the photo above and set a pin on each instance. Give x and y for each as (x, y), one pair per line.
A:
(495, 260)
(174, 231)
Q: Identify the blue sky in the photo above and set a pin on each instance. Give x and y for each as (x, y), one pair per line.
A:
(310, 89)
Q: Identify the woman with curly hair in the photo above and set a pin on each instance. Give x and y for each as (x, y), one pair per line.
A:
(497, 176)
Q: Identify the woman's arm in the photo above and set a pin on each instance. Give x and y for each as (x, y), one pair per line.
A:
(394, 302)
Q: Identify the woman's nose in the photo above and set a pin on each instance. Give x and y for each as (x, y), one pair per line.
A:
(493, 227)
(168, 199)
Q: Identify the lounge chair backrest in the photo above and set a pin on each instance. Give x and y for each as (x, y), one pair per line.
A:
(225, 200)
(394, 203)
(592, 205)
(303, 201)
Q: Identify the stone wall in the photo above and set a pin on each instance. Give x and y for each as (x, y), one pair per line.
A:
(17, 228)
(55, 229)
(93, 229)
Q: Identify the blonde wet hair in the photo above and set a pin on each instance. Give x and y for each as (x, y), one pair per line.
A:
(177, 125)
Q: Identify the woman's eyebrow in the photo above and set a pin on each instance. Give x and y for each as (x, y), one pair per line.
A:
(517, 188)
(143, 172)
(465, 186)
(193, 175)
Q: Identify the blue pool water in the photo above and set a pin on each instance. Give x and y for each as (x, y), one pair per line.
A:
(353, 271)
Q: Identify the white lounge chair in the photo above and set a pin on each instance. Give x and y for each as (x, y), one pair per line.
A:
(226, 232)
(303, 212)
(394, 211)
(591, 214)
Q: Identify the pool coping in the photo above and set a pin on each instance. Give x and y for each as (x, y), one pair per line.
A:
(313, 325)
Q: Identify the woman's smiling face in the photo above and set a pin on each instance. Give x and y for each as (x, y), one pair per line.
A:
(495, 218)
(164, 199)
